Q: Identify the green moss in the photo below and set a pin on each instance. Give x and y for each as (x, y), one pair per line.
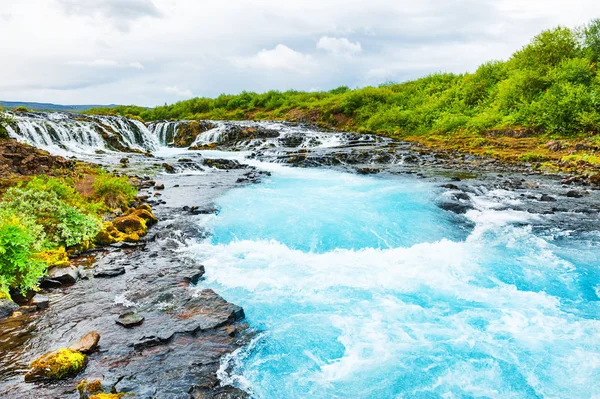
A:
(57, 365)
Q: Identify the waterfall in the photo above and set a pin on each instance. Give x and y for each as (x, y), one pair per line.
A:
(69, 133)
(164, 131)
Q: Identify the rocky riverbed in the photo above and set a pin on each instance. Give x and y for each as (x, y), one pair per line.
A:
(161, 334)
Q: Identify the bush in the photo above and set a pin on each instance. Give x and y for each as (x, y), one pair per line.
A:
(19, 267)
(63, 224)
(114, 191)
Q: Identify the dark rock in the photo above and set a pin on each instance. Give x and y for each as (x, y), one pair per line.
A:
(40, 301)
(130, 319)
(7, 308)
(547, 198)
(455, 207)
(49, 283)
(574, 194)
(159, 187)
(450, 186)
(108, 273)
(64, 275)
(196, 277)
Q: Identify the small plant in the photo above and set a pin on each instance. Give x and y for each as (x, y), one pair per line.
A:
(114, 191)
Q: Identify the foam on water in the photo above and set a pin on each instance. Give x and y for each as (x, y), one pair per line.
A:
(364, 289)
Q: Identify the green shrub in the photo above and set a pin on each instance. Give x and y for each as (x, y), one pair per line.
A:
(114, 191)
(19, 268)
(63, 224)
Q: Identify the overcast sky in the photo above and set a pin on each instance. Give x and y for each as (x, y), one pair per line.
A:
(149, 52)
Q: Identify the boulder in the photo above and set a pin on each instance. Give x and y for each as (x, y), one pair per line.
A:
(56, 365)
(547, 198)
(7, 307)
(87, 344)
(159, 187)
(64, 275)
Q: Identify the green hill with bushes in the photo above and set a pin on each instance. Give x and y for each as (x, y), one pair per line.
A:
(542, 105)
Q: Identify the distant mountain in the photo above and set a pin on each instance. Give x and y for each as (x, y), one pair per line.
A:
(50, 107)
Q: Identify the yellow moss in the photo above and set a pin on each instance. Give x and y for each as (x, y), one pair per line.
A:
(108, 396)
(57, 365)
(55, 258)
(93, 387)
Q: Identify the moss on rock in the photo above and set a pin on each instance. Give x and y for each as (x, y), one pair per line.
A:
(57, 365)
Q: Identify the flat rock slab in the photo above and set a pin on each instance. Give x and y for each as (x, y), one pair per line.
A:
(108, 273)
(130, 319)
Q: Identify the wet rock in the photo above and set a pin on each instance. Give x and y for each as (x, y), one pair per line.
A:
(7, 308)
(40, 301)
(57, 365)
(455, 207)
(196, 277)
(168, 168)
(574, 194)
(450, 186)
(64, 275)
(547, 198)
(159, 187)
(130, 319)
(87, 344)
(109, 272)
(224, 164)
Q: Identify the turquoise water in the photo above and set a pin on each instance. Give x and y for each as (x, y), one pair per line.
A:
(362, 288)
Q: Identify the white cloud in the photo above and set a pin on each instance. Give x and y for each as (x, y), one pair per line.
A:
(179, 92)
(122, 13)
(107, 64)
(339, 47)
(281, 57)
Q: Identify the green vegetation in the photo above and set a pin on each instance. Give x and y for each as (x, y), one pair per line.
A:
(114, 191)
(550, 89)
(42, 217)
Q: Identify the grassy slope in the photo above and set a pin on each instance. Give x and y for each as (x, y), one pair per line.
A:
(540, 106)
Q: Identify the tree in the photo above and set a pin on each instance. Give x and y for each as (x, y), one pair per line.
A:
(591, 40)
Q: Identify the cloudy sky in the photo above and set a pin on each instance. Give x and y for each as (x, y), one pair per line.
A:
(149, 52)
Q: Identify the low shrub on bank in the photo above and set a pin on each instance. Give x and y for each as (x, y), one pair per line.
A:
(114, 191)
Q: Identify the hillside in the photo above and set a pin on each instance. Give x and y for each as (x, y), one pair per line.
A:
(541, 106)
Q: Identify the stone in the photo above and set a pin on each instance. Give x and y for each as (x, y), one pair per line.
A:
(159, 187)
(64, 275)
(574, 194)
(130, 319)
(547, 198)
(7, 307)
(40, 301)
(108, 273)
(87, 344)
(56, 365)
